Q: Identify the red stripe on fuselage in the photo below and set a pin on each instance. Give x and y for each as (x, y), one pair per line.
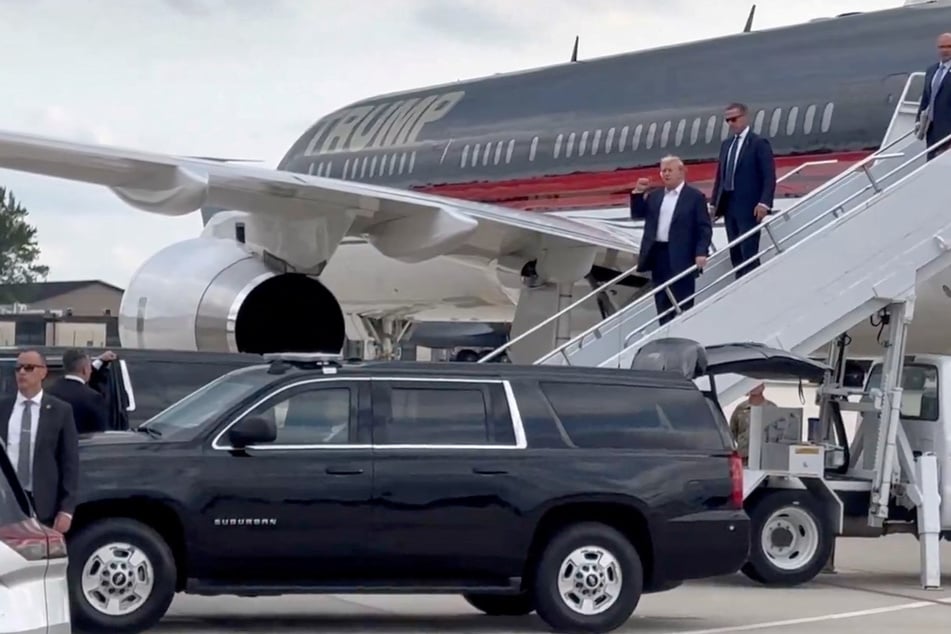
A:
(590, 190)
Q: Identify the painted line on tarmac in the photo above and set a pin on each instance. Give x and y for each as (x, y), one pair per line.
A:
(819, 619)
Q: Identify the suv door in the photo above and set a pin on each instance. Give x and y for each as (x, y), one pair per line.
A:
(296, 510)
(448, 466)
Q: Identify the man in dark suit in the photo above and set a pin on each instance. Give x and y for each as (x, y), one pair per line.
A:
(89, 406)
(744, 185)
(677, 233)
(41, 441)
(933, 122)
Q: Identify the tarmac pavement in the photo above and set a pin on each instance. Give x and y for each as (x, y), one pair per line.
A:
(876, 589)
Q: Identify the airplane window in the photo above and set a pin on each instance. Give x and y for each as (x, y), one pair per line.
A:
(583, 145)
(758, 122)
(680, 132)
(651, 133)
(392, 163)
(558, 145)
(363, 168)
(402, 161)
(827, 117)
(623, 141)
(665, 134)
(609, 142)
(774, 122)
(475, 154)
(571, 145)
(596, 142)
(372, 167)
(498, 153)
(711, 127)
(485, 154)
(533, 149)
(346, 168)
(511, 148)
(636, 139)
(412, 162)
(695, 131)
(810, 117)
(792, 120)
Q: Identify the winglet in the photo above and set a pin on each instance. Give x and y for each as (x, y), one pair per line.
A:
(574, 51)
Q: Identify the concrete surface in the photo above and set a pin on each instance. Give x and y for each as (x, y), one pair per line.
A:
(876, 589)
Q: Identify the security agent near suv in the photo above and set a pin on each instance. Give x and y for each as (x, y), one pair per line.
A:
(565, 491)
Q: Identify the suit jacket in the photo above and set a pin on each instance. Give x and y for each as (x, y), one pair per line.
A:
(55, 455)
(754, 180)
(938, 123)
(89, 406)
(690, 229)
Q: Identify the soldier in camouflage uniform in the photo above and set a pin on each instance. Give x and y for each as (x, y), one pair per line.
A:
(740, 420)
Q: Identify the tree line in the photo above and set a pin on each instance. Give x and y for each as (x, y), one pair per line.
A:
(19, 248)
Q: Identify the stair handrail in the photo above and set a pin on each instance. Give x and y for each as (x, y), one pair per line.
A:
(878, 193)
(617, 279)
(666, 286)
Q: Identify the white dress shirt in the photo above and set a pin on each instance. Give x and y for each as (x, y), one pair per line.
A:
(667, 206)
(13, 433)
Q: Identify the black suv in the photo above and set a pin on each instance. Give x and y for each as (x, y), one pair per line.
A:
(566, 491)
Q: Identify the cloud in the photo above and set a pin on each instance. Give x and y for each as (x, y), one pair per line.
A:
(208, 8)
(469, 20)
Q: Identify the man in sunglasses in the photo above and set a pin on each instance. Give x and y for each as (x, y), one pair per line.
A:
(41, 441)
(744, 185)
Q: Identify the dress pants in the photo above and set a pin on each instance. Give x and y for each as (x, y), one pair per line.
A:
(738, 222)
(661, 271)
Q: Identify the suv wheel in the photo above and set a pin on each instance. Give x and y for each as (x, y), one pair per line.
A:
(501, 604)
(121, 576)
(791, 539)
(589, 578)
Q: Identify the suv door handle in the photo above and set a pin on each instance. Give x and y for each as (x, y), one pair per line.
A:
(343, 470)
(488, 471)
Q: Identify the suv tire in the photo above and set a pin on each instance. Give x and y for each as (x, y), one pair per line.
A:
(501, 604)
(577, 565)
(778, 517)
(123, 555)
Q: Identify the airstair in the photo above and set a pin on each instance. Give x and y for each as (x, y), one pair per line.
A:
(839, 255)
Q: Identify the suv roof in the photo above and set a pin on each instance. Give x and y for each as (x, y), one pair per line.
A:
(672, 360)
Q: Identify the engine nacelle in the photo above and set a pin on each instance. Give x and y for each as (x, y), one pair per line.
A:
(218, 295)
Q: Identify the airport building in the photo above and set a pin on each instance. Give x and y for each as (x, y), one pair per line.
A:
(67, 313)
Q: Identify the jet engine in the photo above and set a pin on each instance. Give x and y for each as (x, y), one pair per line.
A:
(218, 295)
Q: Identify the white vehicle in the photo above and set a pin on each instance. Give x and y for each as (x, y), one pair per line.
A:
(34, 598)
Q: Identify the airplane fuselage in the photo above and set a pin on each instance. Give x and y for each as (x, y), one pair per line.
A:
(578, 135)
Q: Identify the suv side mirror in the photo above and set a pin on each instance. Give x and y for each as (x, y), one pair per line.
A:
(251, 431)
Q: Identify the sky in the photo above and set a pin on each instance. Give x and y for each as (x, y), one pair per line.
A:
(245, 78)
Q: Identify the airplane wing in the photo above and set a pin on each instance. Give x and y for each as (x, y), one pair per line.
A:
(410, 226)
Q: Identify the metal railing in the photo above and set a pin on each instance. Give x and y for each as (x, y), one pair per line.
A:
(875, 184)
(763, 227)
(620, 277)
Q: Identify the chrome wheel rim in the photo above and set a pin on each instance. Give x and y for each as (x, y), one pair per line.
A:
(790, 538)
(589, 580)
(117, 579)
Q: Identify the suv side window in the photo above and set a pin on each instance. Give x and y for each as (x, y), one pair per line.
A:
(604, 416)
(315, 414)
(467, 413)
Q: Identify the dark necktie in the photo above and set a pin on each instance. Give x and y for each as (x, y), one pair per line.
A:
(731, 162)
(26, 447)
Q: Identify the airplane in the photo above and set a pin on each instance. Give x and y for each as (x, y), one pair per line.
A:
(491, 200)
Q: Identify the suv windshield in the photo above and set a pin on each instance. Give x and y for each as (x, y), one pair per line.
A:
(208, 401)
